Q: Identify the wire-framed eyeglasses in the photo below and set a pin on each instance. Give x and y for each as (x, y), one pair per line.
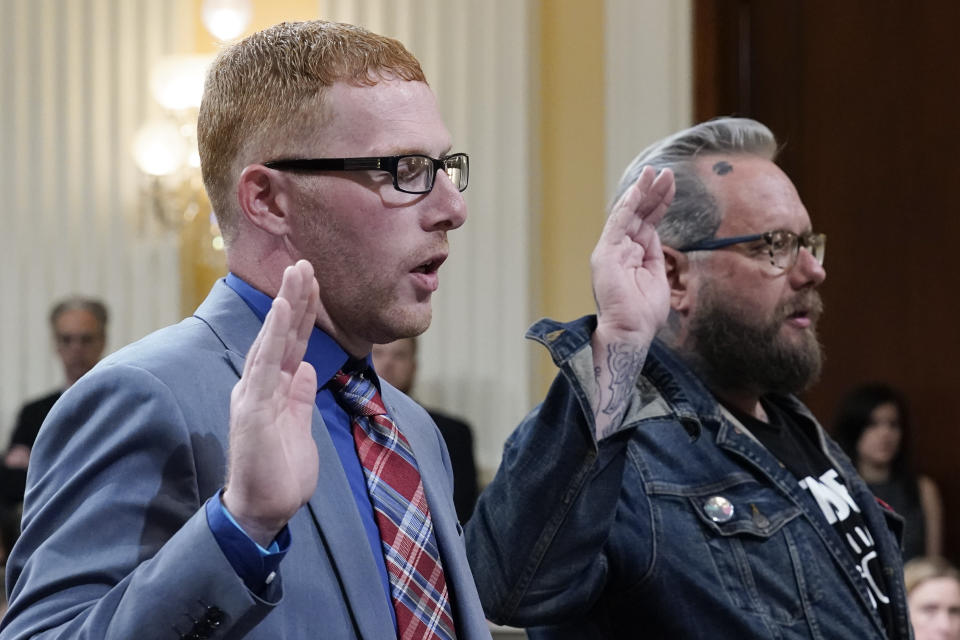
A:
(781, 246)
(412, 173)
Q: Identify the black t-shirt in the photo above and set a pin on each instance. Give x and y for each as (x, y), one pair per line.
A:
(31, 417)
(792, 439)
(13, 482)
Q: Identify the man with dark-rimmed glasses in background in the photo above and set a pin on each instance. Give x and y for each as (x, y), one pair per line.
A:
(672, 485)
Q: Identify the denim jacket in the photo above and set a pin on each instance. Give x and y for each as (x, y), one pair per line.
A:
(615, 540)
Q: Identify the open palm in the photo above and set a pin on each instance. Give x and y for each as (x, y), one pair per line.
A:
(632, 294)
(273, 458)
(629, 279)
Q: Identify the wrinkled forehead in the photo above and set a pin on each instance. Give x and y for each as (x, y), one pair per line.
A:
(753, 194)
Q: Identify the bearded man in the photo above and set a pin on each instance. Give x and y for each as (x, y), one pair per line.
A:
(672, 485)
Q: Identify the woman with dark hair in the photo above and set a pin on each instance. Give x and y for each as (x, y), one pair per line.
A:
(872, 426)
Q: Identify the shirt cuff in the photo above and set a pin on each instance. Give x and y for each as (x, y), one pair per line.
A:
(256, 566)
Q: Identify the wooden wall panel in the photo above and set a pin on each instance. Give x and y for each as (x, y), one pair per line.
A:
(865, 94)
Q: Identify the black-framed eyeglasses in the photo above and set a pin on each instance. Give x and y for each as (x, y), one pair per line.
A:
(412, 173)
(782, 246)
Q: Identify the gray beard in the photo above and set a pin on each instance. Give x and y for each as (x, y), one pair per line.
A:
(731, 351)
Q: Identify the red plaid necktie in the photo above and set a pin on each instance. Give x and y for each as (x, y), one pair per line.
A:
(417, 584)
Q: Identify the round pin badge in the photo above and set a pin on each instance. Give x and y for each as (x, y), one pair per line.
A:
(718, 509)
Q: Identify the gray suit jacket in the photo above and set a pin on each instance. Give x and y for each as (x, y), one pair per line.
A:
(115, 542)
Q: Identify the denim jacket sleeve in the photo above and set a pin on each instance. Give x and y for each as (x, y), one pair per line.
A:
(536, 539)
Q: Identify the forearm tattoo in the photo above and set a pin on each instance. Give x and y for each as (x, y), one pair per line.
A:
(624, 363)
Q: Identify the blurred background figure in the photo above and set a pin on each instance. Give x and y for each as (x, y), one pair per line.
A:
(79, 328)
(872, 425)
(933, 595)
(396, 362)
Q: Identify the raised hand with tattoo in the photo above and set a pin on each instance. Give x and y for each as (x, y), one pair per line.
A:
(631, 292)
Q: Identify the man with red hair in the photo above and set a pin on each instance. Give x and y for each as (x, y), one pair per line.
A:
(170, 498)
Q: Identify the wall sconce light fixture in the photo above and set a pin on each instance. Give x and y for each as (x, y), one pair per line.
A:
(165, 148)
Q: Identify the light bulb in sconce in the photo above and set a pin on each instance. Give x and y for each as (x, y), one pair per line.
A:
(226, 19)
(159, 148)
(177, 81)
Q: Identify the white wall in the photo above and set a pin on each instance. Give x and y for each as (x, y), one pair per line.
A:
(649, 77)
(72, 91)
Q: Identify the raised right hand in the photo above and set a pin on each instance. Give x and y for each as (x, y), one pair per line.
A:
(273, 458)
(631, 291)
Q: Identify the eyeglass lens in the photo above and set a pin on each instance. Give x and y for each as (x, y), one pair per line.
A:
(458, 170)
(417, 173)
(785, 247)
(817, 244)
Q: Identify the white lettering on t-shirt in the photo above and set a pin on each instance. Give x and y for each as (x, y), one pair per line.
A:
(837, 506)
(833, 497)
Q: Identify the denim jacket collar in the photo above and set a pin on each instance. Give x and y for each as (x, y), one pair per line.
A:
(662, 393)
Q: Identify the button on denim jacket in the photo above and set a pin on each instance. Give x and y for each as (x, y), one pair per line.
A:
(624, 539)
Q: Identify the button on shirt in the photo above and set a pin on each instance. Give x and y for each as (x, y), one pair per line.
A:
(253, 563)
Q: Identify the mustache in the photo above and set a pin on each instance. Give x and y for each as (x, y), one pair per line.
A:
(808, 302)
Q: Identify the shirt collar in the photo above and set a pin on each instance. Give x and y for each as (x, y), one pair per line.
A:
(323, 353)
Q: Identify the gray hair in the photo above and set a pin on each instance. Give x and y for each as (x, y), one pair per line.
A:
(91, 305)
(694, 214)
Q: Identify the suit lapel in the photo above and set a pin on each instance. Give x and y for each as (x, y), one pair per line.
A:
(229, 317)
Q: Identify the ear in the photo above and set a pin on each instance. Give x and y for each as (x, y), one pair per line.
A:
(264, 200)
(678, 276)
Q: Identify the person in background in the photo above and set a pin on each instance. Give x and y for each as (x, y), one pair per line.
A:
(79, 328)
(872, 425)
(933, 594)
(396, 362)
